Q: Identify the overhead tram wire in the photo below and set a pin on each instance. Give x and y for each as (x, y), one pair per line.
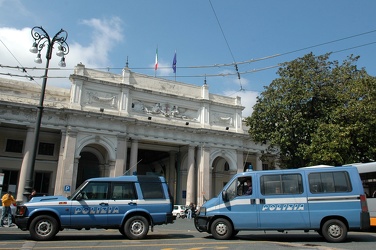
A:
(228, 46)
(30, 77)
(187, 76)
(208, 66)
(23, 69)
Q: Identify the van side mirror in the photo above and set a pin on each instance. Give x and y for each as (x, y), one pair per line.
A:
(224, 196)
(79, 196)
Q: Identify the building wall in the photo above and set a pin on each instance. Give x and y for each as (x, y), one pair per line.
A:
(128, 123)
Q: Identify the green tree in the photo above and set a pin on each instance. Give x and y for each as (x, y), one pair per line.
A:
(317, 112)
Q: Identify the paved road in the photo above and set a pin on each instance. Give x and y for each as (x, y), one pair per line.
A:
(181, 235)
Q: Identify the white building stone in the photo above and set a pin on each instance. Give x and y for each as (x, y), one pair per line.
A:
(109, 124)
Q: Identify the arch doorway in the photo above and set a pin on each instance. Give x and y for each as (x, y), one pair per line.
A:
(221, 174)
(88, 167)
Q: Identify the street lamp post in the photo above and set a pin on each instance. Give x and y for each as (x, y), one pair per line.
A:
(41, 40)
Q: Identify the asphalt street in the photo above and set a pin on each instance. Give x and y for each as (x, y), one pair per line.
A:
(181, 235)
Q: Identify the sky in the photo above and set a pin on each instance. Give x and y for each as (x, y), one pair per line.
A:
(209, 37)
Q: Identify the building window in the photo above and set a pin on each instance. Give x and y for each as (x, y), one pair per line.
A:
(46, 148)
(14, 146)
(265, 166)
(10, 180)
(42, 182)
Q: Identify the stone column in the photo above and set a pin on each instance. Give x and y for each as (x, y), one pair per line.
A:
(75, 171)
(258, 162)
(121, 157)
(191, 175)
(171, 173)
(134, 154)
(60, 164)
(204, 176)
(68, 164)
(240, 161)
(29, 143)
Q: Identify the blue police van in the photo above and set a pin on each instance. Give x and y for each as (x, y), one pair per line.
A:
(328, 200)
(130, 204)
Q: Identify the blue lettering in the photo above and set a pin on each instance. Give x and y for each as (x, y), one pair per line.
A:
(96, 210)
(283, 207)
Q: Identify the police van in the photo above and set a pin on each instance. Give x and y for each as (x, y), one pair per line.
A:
(130, 204)
(328, 200)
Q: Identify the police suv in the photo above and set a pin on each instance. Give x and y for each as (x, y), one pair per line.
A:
(328, 200)
(130, 204)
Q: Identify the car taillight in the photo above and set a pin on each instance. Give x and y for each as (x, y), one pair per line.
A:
(363, 203)
(21, 210)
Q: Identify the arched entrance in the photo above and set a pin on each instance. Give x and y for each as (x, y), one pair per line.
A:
(92, 160)
(88, 167)
(221, 174)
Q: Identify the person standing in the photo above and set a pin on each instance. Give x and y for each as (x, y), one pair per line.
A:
(189, 215)
(33, 193)
(7, 201)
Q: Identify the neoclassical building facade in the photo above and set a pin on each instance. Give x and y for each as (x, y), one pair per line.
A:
(114, 124)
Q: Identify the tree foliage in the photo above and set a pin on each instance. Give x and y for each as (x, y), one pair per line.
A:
(318, 112)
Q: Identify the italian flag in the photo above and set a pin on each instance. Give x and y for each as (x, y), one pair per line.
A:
(156, 60)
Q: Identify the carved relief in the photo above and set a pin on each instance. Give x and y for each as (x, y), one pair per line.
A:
(221, 119)
(164, 109)
(100, 99)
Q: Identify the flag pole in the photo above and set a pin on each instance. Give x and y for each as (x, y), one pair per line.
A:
(156, 62)
(174, 61)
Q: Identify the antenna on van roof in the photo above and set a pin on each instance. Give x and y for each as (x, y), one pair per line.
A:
(132, 167)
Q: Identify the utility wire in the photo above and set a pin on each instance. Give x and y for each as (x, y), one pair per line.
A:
(187, 76)
(23, 68)
(228, 46)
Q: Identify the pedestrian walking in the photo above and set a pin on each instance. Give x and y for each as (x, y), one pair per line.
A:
(7, 201)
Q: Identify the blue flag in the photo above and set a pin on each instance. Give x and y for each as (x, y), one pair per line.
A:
(174, 63)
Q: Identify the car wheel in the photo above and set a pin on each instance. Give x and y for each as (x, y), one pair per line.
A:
(221, 229)
(334, 231)
(43, 227)
(136, 227)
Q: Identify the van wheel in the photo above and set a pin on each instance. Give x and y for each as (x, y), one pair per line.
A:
(221, 229)
(136, 228)
(334, 231)
(43, 227)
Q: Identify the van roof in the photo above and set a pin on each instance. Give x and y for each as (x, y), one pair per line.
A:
(303, 169)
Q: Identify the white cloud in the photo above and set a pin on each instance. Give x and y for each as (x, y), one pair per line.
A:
(15, 44)
(248, 100)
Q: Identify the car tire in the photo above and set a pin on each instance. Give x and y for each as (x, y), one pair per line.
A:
(43, 227)
(136, 227)
(221, 229)
(334, 231)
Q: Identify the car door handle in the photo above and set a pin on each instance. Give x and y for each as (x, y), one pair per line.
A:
(103, 204)
(132, 203)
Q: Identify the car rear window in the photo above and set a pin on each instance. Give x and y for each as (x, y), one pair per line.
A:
(152, 190)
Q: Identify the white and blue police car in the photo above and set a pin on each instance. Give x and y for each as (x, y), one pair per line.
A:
(130, 204)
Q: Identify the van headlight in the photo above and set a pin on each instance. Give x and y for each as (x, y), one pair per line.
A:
(202, 211)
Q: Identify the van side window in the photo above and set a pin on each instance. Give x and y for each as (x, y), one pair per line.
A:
(123, 191)
(329, 182)
(281, 184)
(152, 190)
